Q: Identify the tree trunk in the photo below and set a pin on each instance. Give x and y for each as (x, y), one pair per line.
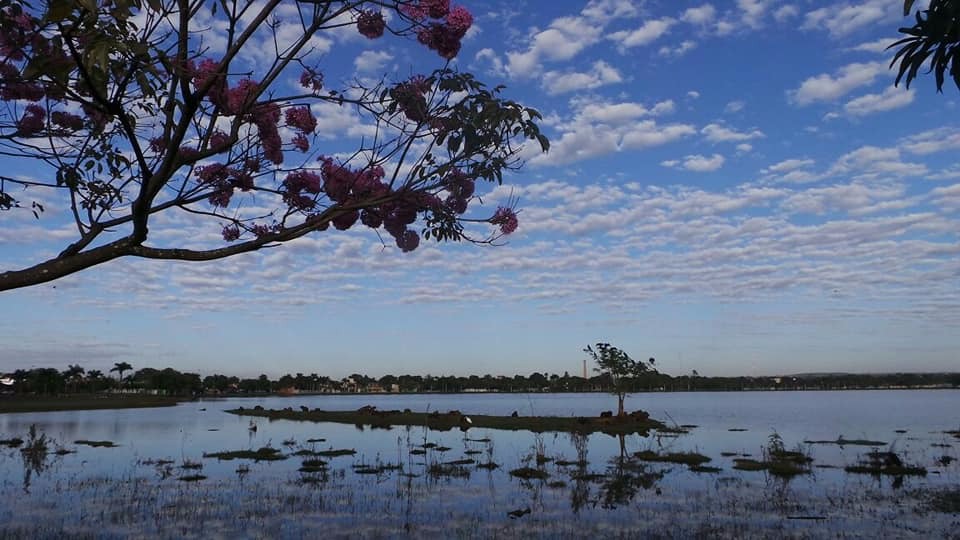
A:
(620, 411)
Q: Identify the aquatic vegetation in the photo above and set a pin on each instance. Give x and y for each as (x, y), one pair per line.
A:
(528, 473)
(705, 469)
(849, 442)
(192, 478)
(686, 458)
(12, 443)
(885, 463)
(97, 444)
(945, 500)
(369, 416)
(188, 464)
(265, 453)
(336, 453)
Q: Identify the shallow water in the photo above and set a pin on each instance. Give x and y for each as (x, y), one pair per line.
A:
(114, 492)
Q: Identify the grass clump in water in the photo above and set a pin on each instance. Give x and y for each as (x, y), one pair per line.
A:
(265, 453)
(885, 463)
(686, 458)
(336, 453)
(849, 442)
(529, 473)
(97, 444)
(11, 443)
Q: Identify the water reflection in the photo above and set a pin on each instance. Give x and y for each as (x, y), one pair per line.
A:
(417, 482)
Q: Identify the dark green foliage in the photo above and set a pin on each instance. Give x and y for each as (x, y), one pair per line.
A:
(933, 37)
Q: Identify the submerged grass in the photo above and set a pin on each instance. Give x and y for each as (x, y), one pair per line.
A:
(452, 420)
(265, 453)
(97, 444)
(849, 442)
(685, 458)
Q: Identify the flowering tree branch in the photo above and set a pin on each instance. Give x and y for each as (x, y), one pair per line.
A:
(134, 115)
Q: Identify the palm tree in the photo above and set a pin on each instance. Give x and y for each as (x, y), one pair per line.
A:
(73, 374)
(120, 367)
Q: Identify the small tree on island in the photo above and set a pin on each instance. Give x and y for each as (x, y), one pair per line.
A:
(621, 369)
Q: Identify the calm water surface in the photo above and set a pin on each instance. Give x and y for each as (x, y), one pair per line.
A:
(119, 492)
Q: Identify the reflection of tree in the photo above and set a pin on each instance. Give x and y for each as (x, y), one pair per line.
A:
(625, 477)
(580, 493)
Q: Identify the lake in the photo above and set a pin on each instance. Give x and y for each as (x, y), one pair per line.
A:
(417, 482)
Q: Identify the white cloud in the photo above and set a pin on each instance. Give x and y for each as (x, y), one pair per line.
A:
(744, 148)
(783, 13)
(878, 46)
(717, 133)
(891, 98)
(601, 74)
(932, 141)
(371, 61)
(678, 51)
(693, 94)
(648, 32)
(841, 20)
(734, 106)
(696, 163)
(787, 165)
(701, 15)
(752, 11)
(564, 38)
(825, 87)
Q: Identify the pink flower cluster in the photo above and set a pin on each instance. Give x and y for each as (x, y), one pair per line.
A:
(301, 119)
(266, 116)
(410, 96)
(506, 218)
(460, 188)
(301, 189)
(419, 10)
(32, 121)
(371, 24)
(66, 120)
(224, 180)
(445, 33)
(311, 80)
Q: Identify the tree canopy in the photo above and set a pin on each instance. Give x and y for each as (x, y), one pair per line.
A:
(934, 36)
(619, 367)
(135, 113)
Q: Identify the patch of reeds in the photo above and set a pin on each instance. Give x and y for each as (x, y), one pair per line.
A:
(885, 463)
(97, 444)
(529, 473)
(685, 458)
(265, 453)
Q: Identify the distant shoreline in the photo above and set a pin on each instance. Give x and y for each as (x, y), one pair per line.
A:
(12, 403)
(24, 404)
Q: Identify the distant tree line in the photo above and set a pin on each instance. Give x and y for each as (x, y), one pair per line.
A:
(169, 381)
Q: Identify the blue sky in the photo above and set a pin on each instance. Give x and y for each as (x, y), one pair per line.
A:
(733, 187)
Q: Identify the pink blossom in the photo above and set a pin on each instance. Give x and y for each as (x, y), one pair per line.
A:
(32, 120)
(506, 218)
(240, 96)
(410, 97)
(311, 79)
(221, 196)
(371, 24)
(230, 232)
(260, 230)
(300, 142)
(441, 38)
(219, 139)
(371, 218)
(302, 119)
(408, 241)
(66, 120)
(346, 220)
(188, 153)
(459, 20)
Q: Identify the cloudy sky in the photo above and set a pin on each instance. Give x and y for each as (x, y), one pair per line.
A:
(733, 187)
